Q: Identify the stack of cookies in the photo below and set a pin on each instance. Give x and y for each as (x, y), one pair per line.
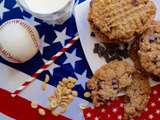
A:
(131, 22)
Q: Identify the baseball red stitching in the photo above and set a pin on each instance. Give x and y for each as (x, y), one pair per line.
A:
(29, 28)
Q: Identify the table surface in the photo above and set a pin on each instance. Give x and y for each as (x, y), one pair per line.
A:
(72, 63)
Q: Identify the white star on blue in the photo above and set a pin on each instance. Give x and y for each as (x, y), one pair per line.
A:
(82, 79)
(72, 58)
(51, 67)
(18, 6)
(3, 9)
(43, 44)
(61, 36)
(76, 3)
(31, 21)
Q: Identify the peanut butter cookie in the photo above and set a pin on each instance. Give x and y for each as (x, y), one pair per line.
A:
(120, 20)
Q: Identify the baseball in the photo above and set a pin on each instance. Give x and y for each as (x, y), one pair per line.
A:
(19, 41)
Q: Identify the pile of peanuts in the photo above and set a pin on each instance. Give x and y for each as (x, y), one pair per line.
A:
(63, 95)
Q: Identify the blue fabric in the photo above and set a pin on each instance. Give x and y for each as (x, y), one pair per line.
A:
(66, 67)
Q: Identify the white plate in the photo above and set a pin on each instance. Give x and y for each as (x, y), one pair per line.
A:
(81, 15)
(88, 42)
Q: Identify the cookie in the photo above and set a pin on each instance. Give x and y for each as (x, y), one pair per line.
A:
(109, 80)
(149, 49)
(120, 20)
(138, 96)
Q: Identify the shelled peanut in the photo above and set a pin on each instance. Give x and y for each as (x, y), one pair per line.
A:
(63, 95)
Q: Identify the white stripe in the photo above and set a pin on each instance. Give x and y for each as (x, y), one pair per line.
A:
(49, 62)
(59, 54)
(5, 117)
(11, 79)
(31, 79)
(41, 97)
(76, 38)
(21, 87)
(10, 82)
(68, 45)
(40, 70)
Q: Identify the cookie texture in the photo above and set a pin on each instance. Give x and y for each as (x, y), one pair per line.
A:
(138, 96)
(109, 80)
(120, 20)
(149, 49)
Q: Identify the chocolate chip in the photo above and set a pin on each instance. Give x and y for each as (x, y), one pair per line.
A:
(155, 78)
(93, 34)
(115, 57)
(101, 51)
(96, 47)
(111, 51)
(115, 84)
(123, 53)
(152, 39)
(91, 3)
(106, 57)
(111, 46)
(114, 81)
(135, 2)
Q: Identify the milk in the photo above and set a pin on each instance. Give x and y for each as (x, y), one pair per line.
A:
(50, 11)
(46, 6)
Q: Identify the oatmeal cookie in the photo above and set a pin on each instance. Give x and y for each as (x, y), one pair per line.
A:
(149, 49)
(120, 20)
(138, 96)
(109, 80)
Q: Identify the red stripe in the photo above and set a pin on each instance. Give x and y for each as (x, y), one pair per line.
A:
(54, 58)
(63, 49)
(26, 83)
(44, 66)
(35, 75)
(72, 41)
(17, 92)
(19, 108)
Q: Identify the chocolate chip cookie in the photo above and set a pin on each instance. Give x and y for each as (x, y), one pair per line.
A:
(109, 80)
(120, 20)
(138, 96)
(149, 49)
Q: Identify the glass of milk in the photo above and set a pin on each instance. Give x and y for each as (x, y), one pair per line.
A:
(50, 11)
